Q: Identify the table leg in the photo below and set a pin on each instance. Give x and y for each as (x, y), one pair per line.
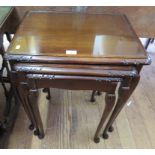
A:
(147, 43)
(28, 98)
(33, 95)
(152, 40)
(93, 96)
(24, 93)
(110, 101)
(126, 89)
(20, 91)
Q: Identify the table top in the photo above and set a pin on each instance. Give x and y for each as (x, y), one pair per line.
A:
(76, 35)
(141, 17)
(4, 10)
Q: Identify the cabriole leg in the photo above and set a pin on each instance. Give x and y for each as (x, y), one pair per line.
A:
(110, 101)
(126, 89)
(33, 95)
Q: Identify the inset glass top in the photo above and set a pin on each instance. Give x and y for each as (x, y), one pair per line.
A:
(76, 35)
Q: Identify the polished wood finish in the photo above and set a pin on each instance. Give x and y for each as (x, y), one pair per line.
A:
(88, 35)
(70, 120)
(76, 56)
(141, 17)
(125, 90)
(109, 104)
(72, 82)
(81, 70)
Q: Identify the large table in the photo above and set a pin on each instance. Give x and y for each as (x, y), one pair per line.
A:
(75, 51)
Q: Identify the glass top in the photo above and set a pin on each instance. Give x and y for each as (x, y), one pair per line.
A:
(76, 35)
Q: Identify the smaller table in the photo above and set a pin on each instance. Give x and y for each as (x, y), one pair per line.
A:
(31, 77)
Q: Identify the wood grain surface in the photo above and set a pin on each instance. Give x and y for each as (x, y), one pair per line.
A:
(142, 18)
(76, 35)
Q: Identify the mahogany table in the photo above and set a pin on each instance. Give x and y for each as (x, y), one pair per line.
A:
(75, 51)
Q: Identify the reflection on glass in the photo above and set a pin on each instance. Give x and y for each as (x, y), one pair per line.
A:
(98, 45)
(107, 45)
(33, 45)
(17, 47)
(24, 43)
(102, 45)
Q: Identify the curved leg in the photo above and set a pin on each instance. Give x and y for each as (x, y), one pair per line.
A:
(24, 90)
(33, 94)
(28, 98)
(125, 90)
(20, 91)
(110, 101)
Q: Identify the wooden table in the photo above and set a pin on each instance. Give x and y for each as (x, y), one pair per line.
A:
(79, 52)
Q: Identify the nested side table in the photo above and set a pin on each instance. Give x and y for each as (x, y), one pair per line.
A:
(32, 77)
(75, 51)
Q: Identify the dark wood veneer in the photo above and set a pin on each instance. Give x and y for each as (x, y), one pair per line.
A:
(103, 51)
